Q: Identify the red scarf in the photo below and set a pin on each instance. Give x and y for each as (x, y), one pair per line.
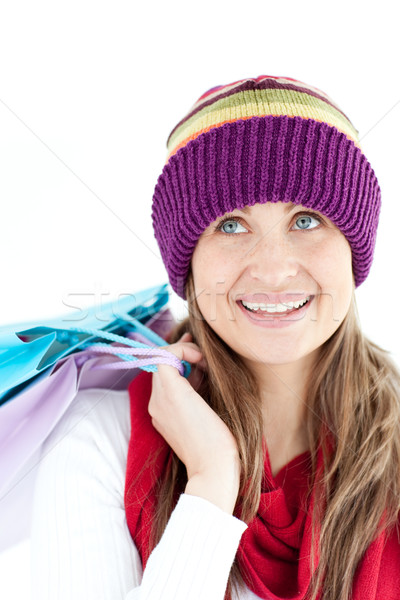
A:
(274, 550)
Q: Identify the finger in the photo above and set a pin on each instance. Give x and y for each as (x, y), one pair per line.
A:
(184, 352)
(183, 345)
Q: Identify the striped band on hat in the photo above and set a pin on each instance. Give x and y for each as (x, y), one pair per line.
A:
(273, 96)
(258, 140)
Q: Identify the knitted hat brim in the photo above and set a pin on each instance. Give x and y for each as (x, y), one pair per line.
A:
(258, 160)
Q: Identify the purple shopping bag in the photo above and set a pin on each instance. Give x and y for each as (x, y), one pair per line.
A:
(27, 420)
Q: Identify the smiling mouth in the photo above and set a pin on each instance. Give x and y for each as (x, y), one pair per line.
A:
(274, 313)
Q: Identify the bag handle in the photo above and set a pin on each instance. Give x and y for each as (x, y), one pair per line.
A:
(155, 355)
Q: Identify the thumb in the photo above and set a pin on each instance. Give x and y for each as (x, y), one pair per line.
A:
(186, 337)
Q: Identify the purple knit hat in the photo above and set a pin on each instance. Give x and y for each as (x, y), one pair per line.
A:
(267, 139)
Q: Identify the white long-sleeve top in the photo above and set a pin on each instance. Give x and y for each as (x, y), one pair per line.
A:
(80, 542)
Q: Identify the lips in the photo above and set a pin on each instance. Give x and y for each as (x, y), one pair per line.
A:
(275, 319)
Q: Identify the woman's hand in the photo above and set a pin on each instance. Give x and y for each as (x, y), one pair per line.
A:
(194, 431)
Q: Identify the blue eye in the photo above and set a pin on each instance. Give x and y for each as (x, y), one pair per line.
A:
(304, 218)
(231, 220)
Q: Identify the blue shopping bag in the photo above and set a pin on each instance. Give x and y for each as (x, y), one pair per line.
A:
(29, 349)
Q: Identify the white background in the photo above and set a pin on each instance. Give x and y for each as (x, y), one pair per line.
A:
(89, 91)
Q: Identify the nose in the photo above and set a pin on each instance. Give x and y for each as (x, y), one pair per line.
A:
(272, 259)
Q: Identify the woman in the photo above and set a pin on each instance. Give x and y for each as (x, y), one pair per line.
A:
(272, 471)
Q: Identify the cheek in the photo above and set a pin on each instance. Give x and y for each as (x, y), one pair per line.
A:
(212, 281)
(333, 259)
(333, 272)
(210, 274)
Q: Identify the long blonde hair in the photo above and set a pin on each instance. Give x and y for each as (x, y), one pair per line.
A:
(355, 394)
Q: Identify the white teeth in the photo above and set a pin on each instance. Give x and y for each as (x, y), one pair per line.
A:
(273, 308)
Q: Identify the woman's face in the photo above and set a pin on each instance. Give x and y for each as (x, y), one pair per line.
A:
(268, 253)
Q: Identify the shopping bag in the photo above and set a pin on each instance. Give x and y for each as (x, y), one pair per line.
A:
(28, 417)
(27, 349)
